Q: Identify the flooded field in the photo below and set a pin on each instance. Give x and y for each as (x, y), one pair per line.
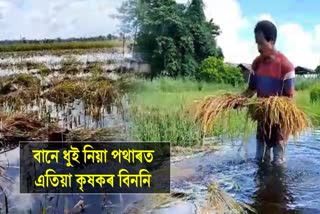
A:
(289, 189)
(86, 105)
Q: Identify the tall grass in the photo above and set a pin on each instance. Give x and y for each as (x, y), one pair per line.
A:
(158, 112)
(303, 83)
(60, 46)
(302, 98)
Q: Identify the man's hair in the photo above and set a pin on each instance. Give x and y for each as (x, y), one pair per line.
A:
(268, 29)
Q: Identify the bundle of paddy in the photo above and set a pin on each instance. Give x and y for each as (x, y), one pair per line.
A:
(280, 111)
(19, 90)
(220, 202)
(66, 91)
(126, 83)
(101, 92)
(102, 134)
(19, 126)
(208, 110)
(152, 203)
(70, 65)
(271, 111)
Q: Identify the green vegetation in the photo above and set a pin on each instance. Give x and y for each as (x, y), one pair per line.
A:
(59, 46)
(158, 111)
(315, 94)
(174, 38)
(318, 69)
(305, 83)
(213, 69)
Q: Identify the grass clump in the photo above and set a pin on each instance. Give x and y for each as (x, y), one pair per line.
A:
(315, 94)
(17, 91)
(302, 83)
(70, 65)
(19, 126)
(25, 80)
(67, 91)
(153, 124)
(44, 70)
(102, 134)
(101, 92)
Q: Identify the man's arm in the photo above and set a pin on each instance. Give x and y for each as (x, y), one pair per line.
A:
(288, 79)
(248, 93)
(252, 87)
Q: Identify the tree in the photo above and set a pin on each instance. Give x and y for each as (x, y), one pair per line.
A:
(173, 38)
(204, 32)
(318, 70)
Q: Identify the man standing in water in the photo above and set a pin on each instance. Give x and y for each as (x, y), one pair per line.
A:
(273, 75)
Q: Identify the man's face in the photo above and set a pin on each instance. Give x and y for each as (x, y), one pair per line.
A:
(265, 48)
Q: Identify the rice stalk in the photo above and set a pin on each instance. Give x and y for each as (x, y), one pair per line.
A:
(280, 111)
(66, 91)
(220, 202)
(209, 109)
(272, 111)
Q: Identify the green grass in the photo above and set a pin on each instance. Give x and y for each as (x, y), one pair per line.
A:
(305, 84)
(315, 94)
(157, 111)
(302, 98)
(60, 46)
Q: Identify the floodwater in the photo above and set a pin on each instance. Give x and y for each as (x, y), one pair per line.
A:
(292, 188)
(51, 60)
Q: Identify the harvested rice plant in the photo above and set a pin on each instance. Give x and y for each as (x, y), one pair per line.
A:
(18, 91)
(219, 201)
(270, 112)
(66, 91)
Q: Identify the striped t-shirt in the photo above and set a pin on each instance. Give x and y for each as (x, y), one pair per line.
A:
(272, 77)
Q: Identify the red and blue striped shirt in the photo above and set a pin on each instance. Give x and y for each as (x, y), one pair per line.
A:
(272, 77)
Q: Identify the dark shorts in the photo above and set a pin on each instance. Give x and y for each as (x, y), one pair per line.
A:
(270, 136)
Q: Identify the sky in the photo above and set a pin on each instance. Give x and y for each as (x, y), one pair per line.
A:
(298, 24)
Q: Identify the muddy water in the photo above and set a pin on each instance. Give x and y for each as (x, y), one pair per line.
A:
(292, 188)
(110, 60)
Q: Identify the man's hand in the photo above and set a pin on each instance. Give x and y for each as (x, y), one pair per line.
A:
(248, 93)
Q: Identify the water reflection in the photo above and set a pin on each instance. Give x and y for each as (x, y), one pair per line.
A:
(272, 194)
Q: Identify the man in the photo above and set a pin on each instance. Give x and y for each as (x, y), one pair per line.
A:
(273, 76)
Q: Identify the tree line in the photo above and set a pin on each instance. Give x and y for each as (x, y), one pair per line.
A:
(109, 37)
(174, 38)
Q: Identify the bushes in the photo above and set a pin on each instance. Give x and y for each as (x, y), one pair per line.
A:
(315, 94)
(213, 69)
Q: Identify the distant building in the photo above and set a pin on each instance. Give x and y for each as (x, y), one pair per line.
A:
(245, 69)
(305, 72)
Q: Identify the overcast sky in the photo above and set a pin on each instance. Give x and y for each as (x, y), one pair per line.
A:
(37, 19)
(298, 23)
